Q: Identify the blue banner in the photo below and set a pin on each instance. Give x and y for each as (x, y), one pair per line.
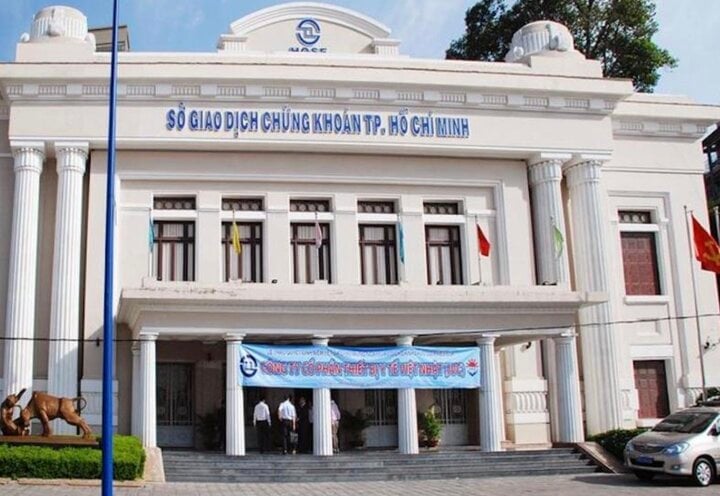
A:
(335, 367)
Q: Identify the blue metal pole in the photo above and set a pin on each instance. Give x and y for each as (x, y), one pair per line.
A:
(108, 317)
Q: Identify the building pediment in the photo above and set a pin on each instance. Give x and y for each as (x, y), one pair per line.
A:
(306, 27)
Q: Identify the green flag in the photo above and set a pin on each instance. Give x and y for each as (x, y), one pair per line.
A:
(559, 241)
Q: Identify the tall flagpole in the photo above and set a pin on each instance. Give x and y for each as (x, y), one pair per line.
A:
(108, 317)
(697, 311)
(716, 211)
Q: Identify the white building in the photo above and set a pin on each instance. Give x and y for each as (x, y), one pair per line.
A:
(310, 112)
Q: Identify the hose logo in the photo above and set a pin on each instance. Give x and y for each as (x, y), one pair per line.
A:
(308, 32)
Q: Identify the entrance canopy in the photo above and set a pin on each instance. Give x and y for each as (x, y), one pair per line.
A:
(367, 315)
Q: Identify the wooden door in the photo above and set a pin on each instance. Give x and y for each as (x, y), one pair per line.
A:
(651, 384)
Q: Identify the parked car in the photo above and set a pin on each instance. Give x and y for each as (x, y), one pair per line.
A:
(686, 443)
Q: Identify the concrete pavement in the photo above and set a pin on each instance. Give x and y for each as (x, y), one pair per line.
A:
(585, 485)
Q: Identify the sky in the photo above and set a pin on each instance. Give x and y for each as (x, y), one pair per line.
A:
(688, 29)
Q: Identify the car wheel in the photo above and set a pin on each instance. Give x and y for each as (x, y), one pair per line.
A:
(644, 475)
(703, 473)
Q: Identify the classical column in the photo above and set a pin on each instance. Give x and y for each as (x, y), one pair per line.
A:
(407, 413)
(65, 303)
(591, 259)
(235, 413)
(322, 426)
(545, 173)
(491, 415)
(552, 266)
(148, 407)
(22, 270)
(135, 405)
(569, 407)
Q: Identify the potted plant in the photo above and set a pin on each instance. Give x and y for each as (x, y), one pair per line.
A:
(430, 428)
(353, 426)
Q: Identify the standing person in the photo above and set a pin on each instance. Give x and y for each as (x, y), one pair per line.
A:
(335, 422)
(288, 418)
(261, 421)
(304, 429)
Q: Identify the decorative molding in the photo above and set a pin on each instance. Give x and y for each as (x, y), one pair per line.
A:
(328, 93)
(524, 402)
(277, 92)
(232, 91)
(52, 90)
(366, 94)
(658, 128)
(186, 90)
(169, 92)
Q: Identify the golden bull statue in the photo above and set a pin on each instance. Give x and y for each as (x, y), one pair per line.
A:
(45, 407)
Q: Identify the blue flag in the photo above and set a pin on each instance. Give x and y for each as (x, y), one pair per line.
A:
(151, 235)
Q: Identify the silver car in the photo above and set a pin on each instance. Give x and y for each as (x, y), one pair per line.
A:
(686, 443)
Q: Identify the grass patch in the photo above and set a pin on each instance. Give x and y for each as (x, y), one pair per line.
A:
(42, 462)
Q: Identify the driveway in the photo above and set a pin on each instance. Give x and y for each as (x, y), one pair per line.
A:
(584, 485)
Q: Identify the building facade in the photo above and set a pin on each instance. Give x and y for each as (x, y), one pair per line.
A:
(358, 178)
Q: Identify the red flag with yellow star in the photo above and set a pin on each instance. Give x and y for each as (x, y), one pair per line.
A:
(707, 251)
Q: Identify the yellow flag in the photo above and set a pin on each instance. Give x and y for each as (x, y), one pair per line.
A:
(236, 238)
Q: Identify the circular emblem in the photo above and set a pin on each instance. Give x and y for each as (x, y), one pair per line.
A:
(308, 32)
(248, 365)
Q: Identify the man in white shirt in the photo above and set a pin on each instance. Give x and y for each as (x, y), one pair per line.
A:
(262, 422)
(288, 417)
(335, 422)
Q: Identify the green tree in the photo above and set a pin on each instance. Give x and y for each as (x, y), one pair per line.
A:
(618, 33)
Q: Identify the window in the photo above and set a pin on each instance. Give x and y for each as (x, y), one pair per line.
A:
(310, 262)
(639, 252)
(381, 406)
(378, 263)
(376, 207)
(441, 208)
(174, 251)
(247, 265)
(444, 265)
(174, 203)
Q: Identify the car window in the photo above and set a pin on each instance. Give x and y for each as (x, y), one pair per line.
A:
(686, 422)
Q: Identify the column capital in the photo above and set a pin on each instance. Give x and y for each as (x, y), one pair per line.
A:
(590, 159)
(404, 340)
(321, 339)
(72, 146)
(484, 339)
(71, 155)
(29, 155)
(148, 336)
(544, 157)
(234, 337)
(545, 171)
(565, 337)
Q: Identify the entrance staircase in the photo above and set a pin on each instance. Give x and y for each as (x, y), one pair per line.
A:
(194, 466)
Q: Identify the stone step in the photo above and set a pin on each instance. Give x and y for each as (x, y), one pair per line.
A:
(406, 475)
(184, 466)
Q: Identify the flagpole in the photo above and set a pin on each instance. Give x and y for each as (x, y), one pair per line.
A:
(697, 311)
(716, 211)
(108, 317)
(479, 256)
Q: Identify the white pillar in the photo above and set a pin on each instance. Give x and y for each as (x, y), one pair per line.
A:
(591, 259)
(407, 413)
(545, 174)
(491, 415)
(148, 401)
(65, 303)
(135, 405)
(234, 407)
(569, 413)
(322, 425)
(545, 177)
(22, 271)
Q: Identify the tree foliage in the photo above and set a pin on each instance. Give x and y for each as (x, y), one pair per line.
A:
(618, 33)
